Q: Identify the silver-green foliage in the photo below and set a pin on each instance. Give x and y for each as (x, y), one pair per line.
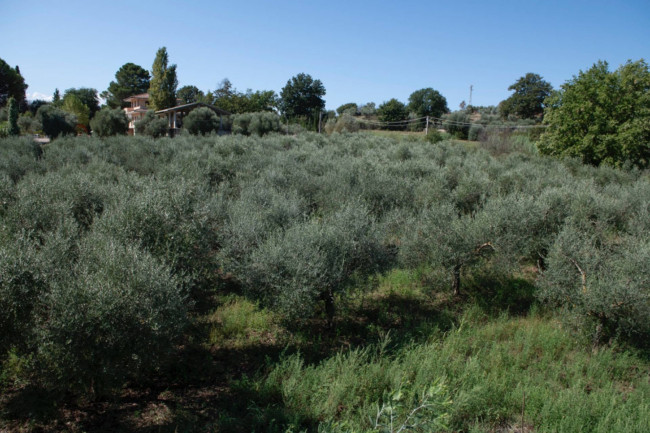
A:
(117, 316)
(152, 125)
(603, 278)
(258, 124)
(314, 260)
(201, 121)
(109, 122)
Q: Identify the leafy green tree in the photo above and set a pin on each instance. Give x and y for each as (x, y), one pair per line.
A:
(36, 104)
(427, 102)
(528, 100)
(73, 105)
(602, 117)
(302, 97)
(392, 111)
(109, 122)
(55, 121)
(228, 98)
(350, 108)
(11, 84)
(162, 88)
(261, 100)
(368, 109)
(27, 123)
(56, 99)
(87, 96)
(189, 94)
(131, 79)
(201, 121)
(13, 117)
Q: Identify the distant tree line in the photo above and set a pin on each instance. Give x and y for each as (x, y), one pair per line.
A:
(599, 116)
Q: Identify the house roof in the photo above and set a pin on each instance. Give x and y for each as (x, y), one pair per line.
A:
(140, 96)
(193, 105)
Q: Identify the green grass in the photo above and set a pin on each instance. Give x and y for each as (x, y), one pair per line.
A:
(240, 322)
(487, 366)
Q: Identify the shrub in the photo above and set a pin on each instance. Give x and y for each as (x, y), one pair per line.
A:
(55, 122)
(109, 122)
(164, 218)
(44, 202)
(102, 327)
(28, 124)
(603, 280)
(475, 132)
(314, 261)
(201, 121)
(22, 284)
(434, 136)
(345, 123)
(350, 108)
(258, 124)
(457, 124)
(152, 125)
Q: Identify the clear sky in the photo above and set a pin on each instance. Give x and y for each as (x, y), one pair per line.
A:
(362, 51)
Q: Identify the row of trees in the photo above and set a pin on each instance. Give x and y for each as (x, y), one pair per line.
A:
(297, 223)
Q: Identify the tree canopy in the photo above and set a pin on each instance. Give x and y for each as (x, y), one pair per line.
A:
(392, 111)
(87, 96)
(350, 108)
(162, 87)
(228, 98)
(12, 84)
(201, 121)
(427, 102)
(109, 122)
(302, 96)
(528, 100)
(190, 94)
(55, 122)
(602, 116)
(73, 105)
(131, 79)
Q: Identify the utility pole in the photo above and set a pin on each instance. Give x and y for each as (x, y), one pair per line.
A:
(471, 87)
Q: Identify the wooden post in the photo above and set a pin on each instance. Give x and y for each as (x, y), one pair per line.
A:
(426, 129)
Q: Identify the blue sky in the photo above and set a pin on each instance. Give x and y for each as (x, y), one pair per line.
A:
(362, 51)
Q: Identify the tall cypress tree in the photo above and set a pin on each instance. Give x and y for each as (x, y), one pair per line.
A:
(162, 88)
(13, 117)
(56, 98)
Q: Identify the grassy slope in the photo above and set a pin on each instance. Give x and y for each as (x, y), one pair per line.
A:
(488, 363)
(242, 369)
(246, 371)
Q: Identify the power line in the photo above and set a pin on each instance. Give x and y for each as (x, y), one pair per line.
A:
(441, 121)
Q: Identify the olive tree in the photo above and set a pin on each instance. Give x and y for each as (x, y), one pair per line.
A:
(201, 121)
(109, 122)
(315, 260)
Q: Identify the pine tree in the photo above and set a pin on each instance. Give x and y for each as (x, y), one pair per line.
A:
(162, 89)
